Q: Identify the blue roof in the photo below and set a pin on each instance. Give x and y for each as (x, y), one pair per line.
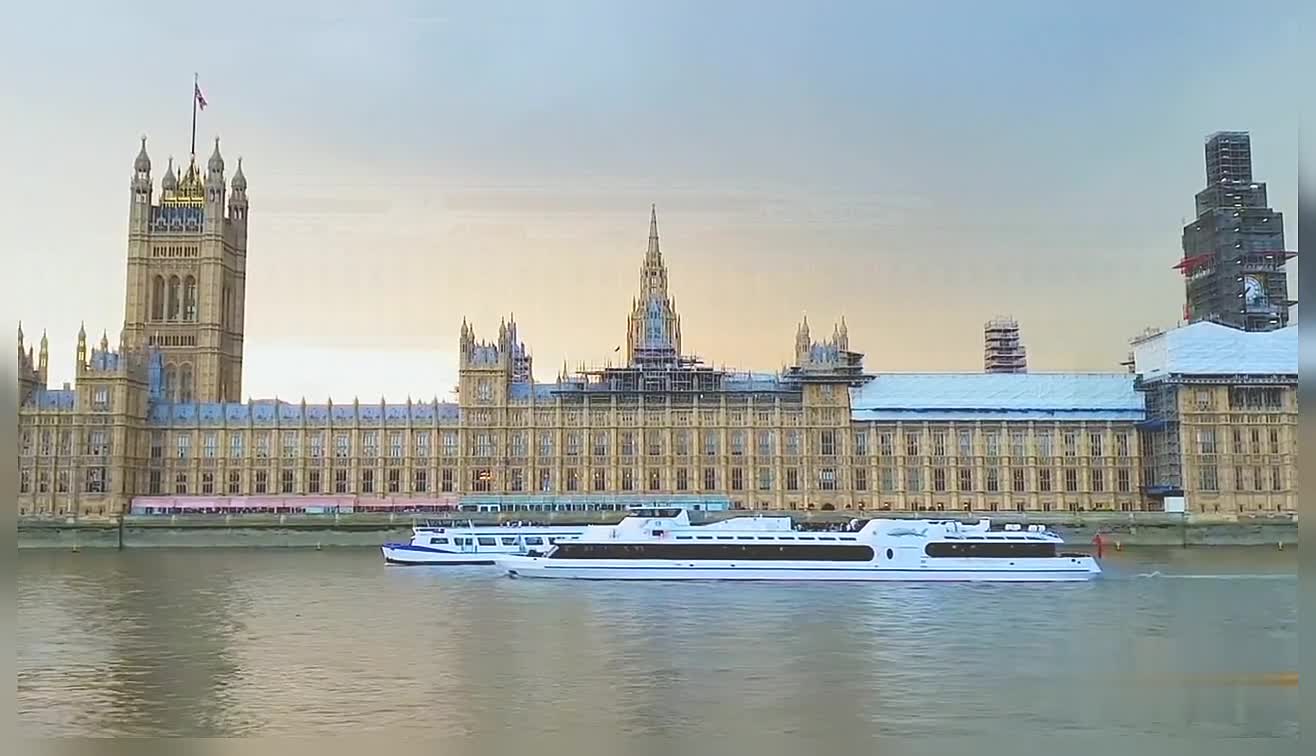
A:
(943, 397)
(541, 392)
(61, 399)
(263, 412)
(753, 382)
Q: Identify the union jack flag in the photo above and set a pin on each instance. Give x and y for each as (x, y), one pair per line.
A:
(200, 98)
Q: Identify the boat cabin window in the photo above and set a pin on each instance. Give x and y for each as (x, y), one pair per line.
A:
(509, 540)
(683, 538)
(438, 541)
(534, 541)
(487, 540)
(716, 551)
(998, 550)
(655, 512)
(704, 538)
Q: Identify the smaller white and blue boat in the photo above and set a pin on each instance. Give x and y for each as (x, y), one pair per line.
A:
(477, 544)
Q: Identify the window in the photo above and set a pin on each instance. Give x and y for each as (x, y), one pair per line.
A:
(966, 443)
(601, 444)
(1044, 480)
(792, 479)
(100, 399)
(290, 444)
(1018, 483)
(887, 478)
(1071, 479)
(342, 445)
(861, 443)
(1239, 448)
(1096, 445)
(263, 445)
(545, 444)
(368, 481)
(1257, 480)
(96, 444)
(1239, 479)
(827, 443)
(98, 481)
(422, 444)
(737, 479)
(450, 443)
(1207, 478)
(313, 481)
(710, 479)
(992, 440)
(1070, 439)
(1203, 401)
(574, 444)
(484, 444)
(156, 487)
(600, 480)
(861, 479)
(993, 479)
(210, 445)
(765, 479)
(627, 439)
(207, 483)
(180, 484)
(1274, 441)
(545, 481)
(1098, 481)
(183, 444)
(234, 482)
(885, 445)
(395, 444)
(1017, 446)
(682, 479)
(1206, 441)
(515, 481)
(827, 479)
(25, 481)
(710, 443)
(939, 479)
(763, 444)
(62, 481)
(681, 442)
(447, 480)
(653, 441)
(1276, 479)
(27, 443)
(1122, 483)
(1122, 444)
(913, 479)
(287, 483)
(793, 443)
(1256, 441)
(911, 444)
(966, 479)
(481, 479)
(370, 444)
(939, 443)
(736, 440)
(573, 479)
(1044, 444)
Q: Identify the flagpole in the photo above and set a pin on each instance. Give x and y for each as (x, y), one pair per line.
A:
(195, 84)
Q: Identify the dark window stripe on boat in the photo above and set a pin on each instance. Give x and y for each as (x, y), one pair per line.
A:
(715, 551)
(998, 550)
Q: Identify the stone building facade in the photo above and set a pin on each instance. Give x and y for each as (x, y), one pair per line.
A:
(159, 416)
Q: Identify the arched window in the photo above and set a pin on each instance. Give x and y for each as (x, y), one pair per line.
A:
(173, 298)
(185, 383)
(157, 298)
(189, 299)
(170, 382)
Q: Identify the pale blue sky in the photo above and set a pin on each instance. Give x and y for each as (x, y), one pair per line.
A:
(915, 167)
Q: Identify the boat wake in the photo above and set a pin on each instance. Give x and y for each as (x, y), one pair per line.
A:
(1221, 576)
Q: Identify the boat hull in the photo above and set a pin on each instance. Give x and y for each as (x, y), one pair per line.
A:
(1057, 570)
(406, 554)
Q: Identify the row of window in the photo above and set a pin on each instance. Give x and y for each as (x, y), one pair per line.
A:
(1241, 441)
(94, 480)
(96, 443)
(652, 443)
(1253, 479)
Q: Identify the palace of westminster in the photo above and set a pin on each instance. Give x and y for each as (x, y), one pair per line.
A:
(1206, 413)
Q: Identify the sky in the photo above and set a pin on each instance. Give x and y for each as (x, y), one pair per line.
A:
(917, 168)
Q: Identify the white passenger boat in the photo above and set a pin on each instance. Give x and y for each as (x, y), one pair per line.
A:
(661, 544)
(472, 544)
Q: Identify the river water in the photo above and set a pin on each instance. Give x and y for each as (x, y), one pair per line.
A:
(1170, 651)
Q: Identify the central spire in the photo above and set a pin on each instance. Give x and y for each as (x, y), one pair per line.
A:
(653, 254)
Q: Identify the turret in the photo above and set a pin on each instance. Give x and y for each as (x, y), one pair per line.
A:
(81, 355)
(43, 360)
(139, 212)
(214, 190)
(237, 203)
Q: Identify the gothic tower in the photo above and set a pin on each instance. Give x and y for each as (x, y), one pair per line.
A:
(187, 260)
(653, 333)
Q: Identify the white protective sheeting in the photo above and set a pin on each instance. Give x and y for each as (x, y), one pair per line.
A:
(975, 396)
(1214, 349)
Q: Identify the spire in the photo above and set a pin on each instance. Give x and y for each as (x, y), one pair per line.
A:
(653, 233)
(239, 180)
(216, 162)
(20, 335)
(170, 181)
(143, 162)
